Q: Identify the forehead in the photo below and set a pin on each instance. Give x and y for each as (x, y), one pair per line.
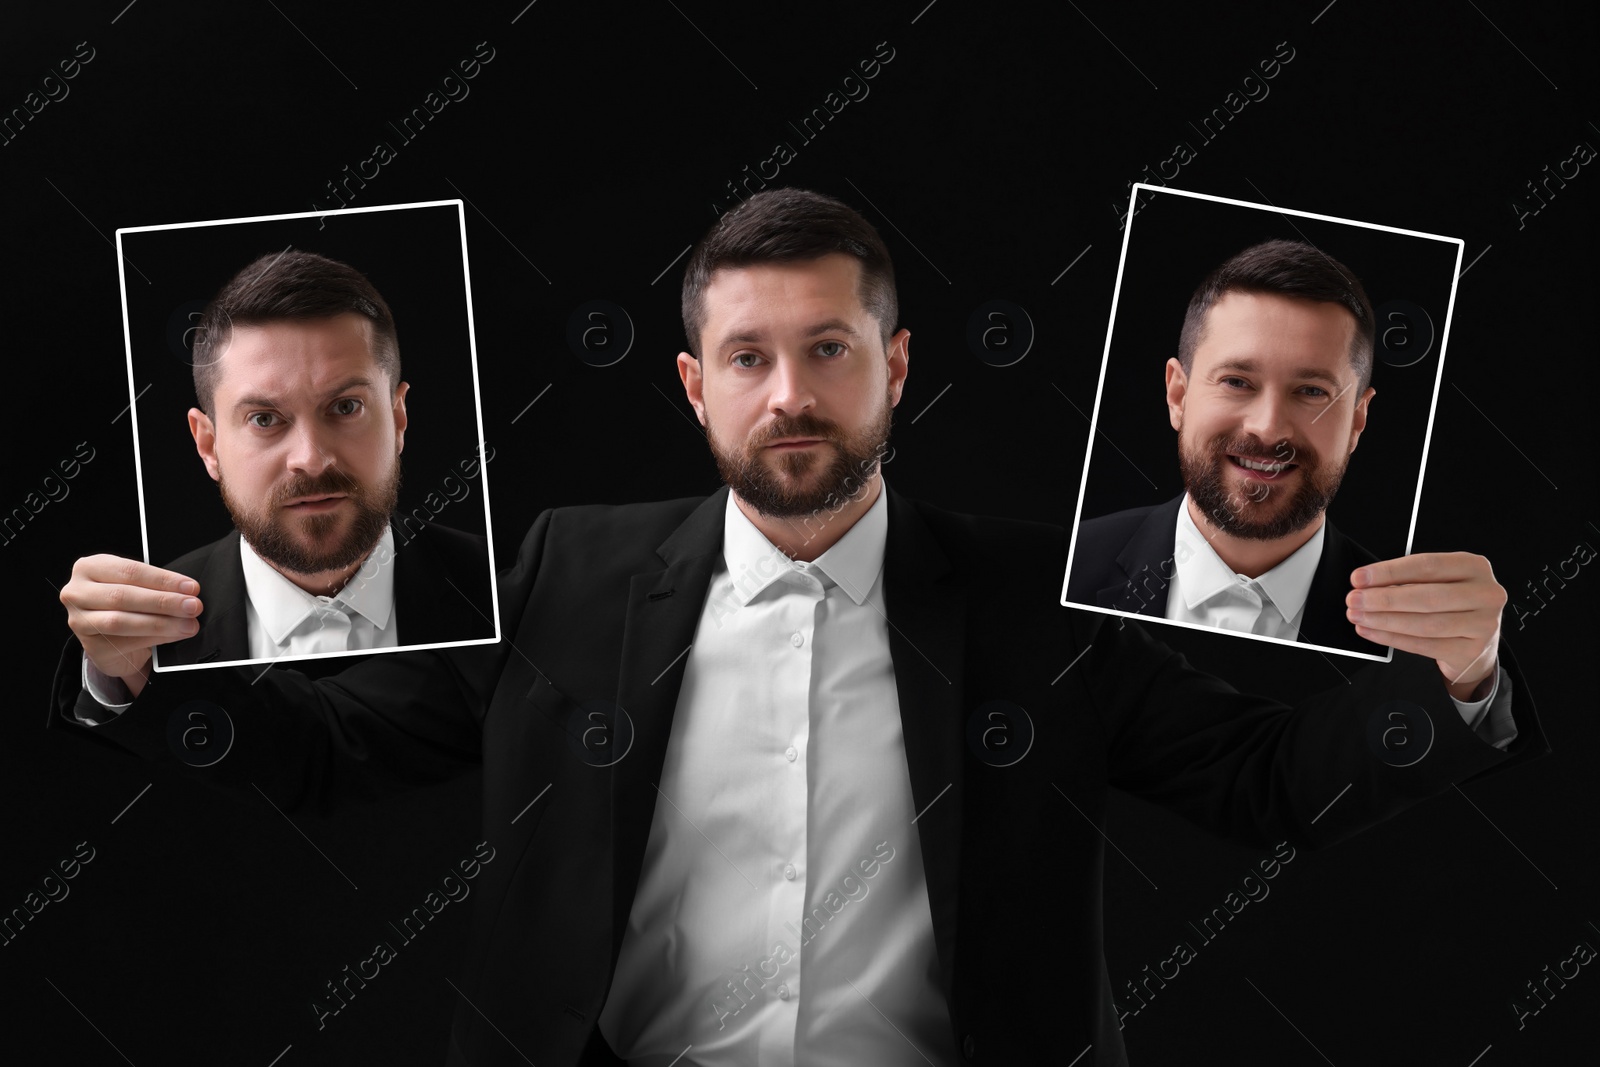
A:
(292, 357)
(1276, 331)
(779, 297)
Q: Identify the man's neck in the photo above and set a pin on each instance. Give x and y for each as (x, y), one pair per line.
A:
(1248, 557)
(804, 538)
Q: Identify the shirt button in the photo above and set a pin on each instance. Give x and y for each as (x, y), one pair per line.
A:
(797, 640)
(783, 992)
(789, 871)
(790, 753)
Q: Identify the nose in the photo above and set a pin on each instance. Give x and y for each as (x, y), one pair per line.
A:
(791, 389)
(1267, 417)
(308, 453)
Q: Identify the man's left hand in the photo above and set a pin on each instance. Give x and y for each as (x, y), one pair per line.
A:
(1443, 605)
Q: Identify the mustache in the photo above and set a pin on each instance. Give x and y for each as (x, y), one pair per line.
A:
(802, 425)
(331, 481)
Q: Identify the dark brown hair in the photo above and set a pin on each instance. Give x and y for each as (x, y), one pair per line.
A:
(295, 286)
(790, 226)
(1287, 268)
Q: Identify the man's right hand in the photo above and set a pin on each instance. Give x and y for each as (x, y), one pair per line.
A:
(120, 609)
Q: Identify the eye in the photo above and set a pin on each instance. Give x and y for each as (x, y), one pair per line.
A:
(261, 420)
(347, 406)
(746, 360)
(1316, 392)
(1233, 381)
(830, 348)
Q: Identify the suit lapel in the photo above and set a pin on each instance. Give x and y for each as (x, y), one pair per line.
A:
(926, 602)
(1143, 589)
(663, 613)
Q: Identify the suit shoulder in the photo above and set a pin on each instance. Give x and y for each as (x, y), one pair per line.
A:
(991, 536)
(639, 520)
(1100, 542)
(1117, 526)
(195, 560)
(611, 514)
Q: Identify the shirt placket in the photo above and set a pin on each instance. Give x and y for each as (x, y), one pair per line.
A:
(792, 678)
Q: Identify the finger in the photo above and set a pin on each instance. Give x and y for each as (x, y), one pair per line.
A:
(1428, 597)
(97, 596)
(129, 624)
(1422, 567)
(1467, 625)
(119, 570)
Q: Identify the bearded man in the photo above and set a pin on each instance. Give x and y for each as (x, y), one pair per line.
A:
(786, 774)
(301, 420)
(1269, 395)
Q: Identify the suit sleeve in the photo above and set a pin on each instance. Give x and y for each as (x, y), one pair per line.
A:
(1258, 771)
(388, 723)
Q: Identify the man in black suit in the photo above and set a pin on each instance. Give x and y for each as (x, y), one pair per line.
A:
(725, 733)
(1269, 395)
(300, 420)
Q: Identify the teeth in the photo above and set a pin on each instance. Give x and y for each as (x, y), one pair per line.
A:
(1268, 468)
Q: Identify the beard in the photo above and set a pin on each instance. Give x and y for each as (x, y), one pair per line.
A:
(795, 484)
(1264, 510)
(308, 544)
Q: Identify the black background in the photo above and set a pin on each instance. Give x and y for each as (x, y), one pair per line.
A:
(994, 150)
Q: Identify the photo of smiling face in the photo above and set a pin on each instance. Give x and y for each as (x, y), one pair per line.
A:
(1268, 412)
(305, 442)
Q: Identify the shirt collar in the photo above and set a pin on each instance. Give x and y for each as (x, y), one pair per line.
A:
(282, 606)
(1202, 574)
(853, 563)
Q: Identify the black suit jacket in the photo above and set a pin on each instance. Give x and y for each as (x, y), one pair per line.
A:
(1124, 561)
(599, 608)
(441, 593)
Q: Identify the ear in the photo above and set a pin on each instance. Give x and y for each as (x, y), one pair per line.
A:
(400, 417)
(899, 358)
(205, 441)
(1358, 421)
(692, 374)
(1177, 391)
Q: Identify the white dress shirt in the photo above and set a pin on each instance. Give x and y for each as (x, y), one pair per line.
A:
(285, 620)
(782, 912)
(1206, 591)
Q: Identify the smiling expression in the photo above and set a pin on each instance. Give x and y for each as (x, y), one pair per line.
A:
(1267, 415)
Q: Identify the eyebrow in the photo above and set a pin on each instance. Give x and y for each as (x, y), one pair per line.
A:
(1304, 374)
(262, 401)
(756, 336)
